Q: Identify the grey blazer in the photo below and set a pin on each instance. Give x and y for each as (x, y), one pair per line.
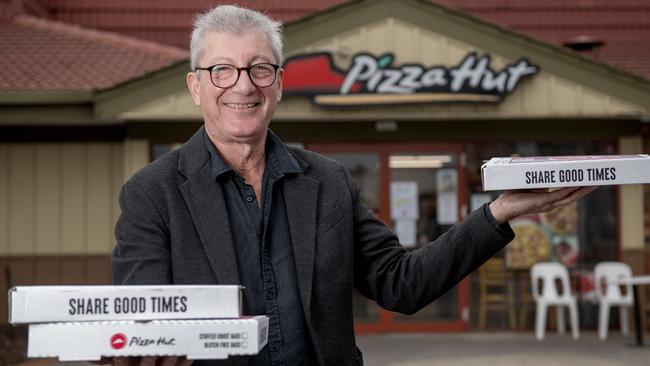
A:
(174, 230)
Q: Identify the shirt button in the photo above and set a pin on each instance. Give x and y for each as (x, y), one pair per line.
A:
(275, 346)
(269, 295)
(249, 199)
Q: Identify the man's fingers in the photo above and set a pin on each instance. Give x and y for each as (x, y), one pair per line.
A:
(511, 204)
(573, 196)
(168, 361)
(562, 193)
(148, 361)
(102, 361)
(123, 361)
(182, 361)
(145, 361)
(173, 361)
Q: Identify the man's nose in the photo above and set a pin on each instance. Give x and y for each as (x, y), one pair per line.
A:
(244, 84)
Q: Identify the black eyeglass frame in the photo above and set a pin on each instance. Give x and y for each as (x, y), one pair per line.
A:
(239, 70)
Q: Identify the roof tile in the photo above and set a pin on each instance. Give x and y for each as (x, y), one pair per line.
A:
(40, 54)
(623, 25)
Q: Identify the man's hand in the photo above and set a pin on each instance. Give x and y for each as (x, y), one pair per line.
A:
(511, 204)
(144, 361)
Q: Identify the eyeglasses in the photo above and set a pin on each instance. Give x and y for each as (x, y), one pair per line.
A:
(225, 76)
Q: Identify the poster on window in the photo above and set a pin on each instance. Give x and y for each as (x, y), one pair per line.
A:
(562, 226)
(404, 200)
(549, 236)
(447, 196)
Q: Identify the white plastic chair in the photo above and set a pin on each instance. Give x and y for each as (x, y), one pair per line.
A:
(548, 273)
(609, 294)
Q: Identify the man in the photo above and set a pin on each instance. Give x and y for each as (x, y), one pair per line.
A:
(235, 205)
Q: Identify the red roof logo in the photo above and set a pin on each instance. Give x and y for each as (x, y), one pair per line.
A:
(313, 73)
(118, 341)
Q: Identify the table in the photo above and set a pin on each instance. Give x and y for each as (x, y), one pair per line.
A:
(636, 281)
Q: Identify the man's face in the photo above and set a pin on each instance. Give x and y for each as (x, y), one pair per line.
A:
(242, 112)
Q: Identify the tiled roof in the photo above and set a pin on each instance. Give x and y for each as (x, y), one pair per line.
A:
(45, 55)
(167, 21)
(623, 25)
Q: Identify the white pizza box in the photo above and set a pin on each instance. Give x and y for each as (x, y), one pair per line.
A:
(194, 339)
(564, 171)
(45, 304)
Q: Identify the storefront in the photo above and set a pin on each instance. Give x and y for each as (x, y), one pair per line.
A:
(412, 97)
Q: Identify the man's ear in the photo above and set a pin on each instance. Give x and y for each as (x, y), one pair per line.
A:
(279, 83)
(193, 84)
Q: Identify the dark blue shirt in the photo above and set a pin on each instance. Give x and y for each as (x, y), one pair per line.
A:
(265, 254)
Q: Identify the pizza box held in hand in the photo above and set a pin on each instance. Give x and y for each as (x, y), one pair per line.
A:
(564, 171)
(194, 339)
(44, 304)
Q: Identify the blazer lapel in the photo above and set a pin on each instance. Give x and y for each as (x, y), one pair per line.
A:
(204, 198)
(300, 195)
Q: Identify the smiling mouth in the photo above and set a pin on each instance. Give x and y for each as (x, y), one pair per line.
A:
(241, 105)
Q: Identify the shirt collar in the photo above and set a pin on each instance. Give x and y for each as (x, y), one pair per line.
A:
(278, 159)
(219, 167)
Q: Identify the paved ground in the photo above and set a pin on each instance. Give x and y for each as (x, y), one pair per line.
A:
(502, 349)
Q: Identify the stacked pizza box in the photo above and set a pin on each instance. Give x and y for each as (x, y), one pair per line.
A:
(564, 171)
(86, 323)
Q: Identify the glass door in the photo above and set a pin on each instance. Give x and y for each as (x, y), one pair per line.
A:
(415, 189)
(424, 203)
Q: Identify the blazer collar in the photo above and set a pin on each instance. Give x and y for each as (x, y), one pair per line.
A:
(204, 199)
(193, 155)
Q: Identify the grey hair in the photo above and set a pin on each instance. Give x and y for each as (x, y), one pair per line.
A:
(234, 20)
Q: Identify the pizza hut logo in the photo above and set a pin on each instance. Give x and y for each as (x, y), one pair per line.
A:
(118, 341)
(376, 80)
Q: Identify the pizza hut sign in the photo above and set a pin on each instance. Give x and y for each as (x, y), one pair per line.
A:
(376, 80)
